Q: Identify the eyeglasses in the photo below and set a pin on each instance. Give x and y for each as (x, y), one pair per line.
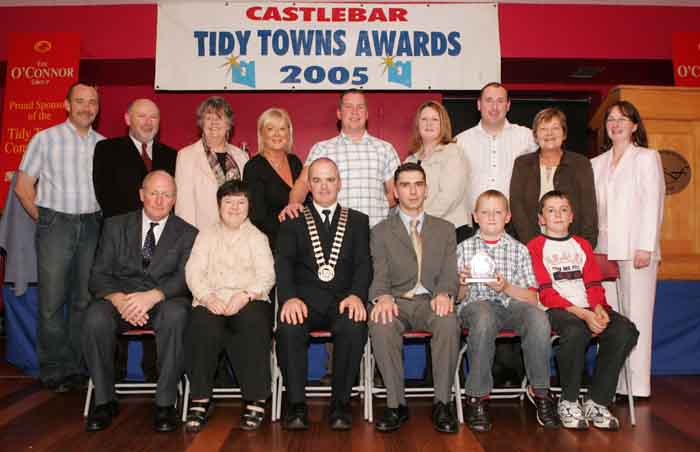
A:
(165, 194)
(620, 120)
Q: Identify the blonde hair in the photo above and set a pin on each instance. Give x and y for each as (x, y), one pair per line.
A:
(493, 194)
(274, 114)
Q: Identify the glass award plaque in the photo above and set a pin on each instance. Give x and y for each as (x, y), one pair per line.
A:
(483, 269)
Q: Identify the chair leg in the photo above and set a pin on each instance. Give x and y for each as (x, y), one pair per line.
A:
(630, 396)
(185, 399)
(458, 391)
(369, 380)
(88, 398)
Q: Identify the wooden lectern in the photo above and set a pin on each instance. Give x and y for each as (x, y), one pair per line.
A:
(672, 119)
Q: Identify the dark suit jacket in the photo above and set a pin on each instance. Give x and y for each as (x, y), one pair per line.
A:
(573, 176)
(118, 170)
(295, 264)
(118, 265)
(395, 263)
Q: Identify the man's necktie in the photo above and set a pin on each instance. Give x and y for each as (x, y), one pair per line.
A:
(149, 245)
(327, 219)
(146, 159)
(418, 248)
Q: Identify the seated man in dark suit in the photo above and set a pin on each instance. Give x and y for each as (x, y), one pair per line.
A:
(414, 285)
(323, 272)
(138, 280)
(119, 166)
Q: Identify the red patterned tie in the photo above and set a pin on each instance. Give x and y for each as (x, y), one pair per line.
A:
(146, 159)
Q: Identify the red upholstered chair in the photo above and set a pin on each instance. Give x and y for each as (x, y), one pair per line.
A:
(126, 387)
(496, 393)
(611, 273)
(380, 392)
(278, 387)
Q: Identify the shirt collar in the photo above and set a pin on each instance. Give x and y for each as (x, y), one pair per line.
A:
(91, 131)
(320, 209)
(145, 221)
(138, 143)
(507, 125)
(347, 138)
(406, 220)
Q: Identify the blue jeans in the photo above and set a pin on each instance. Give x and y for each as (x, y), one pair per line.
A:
(484, 320)
(65, 251)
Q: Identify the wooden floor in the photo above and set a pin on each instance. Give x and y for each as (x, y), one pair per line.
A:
(33, 419)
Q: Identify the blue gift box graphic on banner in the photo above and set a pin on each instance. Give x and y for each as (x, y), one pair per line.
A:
(398, 71)
(242, 72)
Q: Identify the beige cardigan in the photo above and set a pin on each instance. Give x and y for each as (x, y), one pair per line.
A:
(197, 185)
(447, 173)
(225, 262)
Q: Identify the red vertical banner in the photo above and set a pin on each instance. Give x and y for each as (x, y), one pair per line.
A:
(40, 68)
(686, 58)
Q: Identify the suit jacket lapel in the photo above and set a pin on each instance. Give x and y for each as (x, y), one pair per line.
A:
(399, 230)
(167, 238)
(134, 239)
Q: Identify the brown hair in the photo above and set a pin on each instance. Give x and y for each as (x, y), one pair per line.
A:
(445, 126)
(555, 194)
(629, 111)
(547, 115)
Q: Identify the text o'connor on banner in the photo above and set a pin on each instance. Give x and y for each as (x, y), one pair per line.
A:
(326, 46)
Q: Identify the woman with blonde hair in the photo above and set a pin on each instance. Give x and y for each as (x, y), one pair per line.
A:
(272, 172)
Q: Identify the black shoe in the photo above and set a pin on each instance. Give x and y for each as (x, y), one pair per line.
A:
(297, 417)
(340, 417)
(477, 416)
(547, 412)
(165, 419)
(101, 416)
(57, 385)
(444, 419)
(392, 419)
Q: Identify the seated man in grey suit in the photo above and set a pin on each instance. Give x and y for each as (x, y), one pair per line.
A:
(415, 281)
(138, 280)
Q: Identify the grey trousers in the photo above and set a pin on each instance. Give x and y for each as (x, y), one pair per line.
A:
(484, 320)
(102, 325)
(387, 345)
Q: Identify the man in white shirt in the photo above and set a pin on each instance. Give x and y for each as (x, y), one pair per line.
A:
(492, 146)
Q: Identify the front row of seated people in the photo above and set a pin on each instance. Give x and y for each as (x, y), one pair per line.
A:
(332, 273)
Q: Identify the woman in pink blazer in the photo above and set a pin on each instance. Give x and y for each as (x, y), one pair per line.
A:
(204, 166)
(630, 190)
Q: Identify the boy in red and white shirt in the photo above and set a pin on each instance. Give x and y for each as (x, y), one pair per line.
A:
(570, 288)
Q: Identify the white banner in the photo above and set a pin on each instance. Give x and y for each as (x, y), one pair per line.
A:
(315, 46)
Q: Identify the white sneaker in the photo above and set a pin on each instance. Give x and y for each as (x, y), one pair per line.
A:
(600, 416)
(571, 415)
